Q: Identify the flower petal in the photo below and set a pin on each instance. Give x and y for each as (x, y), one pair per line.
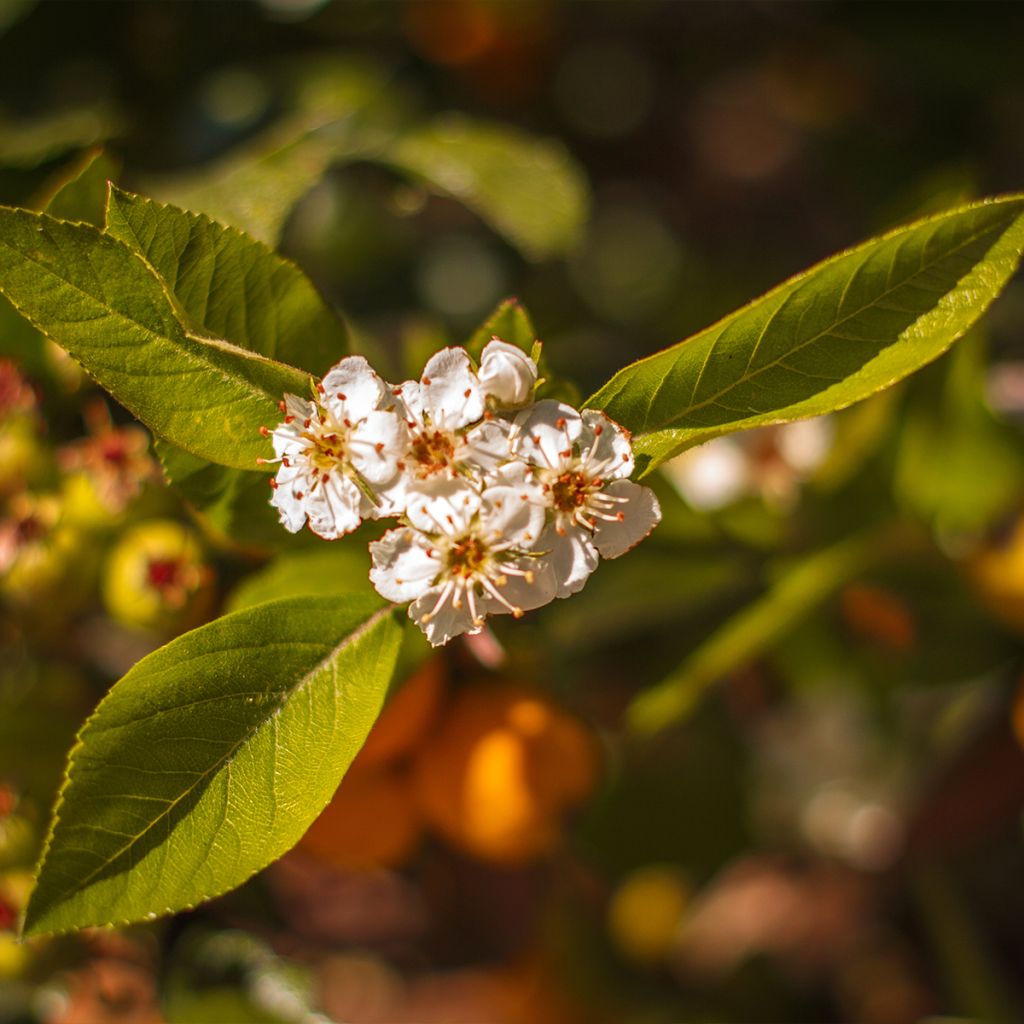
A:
(335, 506)
(377, 445)
(545, 433)
(442, 505)
(511, 517)
(290, 509)
(488, 445)
(640, 513)
(605, 447)
(451, 392)
(507, 373)
(404, 565)
(572, 556)
(352, 389)
(446, 622)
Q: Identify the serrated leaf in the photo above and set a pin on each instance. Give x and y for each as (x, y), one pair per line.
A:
(81, 194)
(528, 189)
(510, 322)
(827, 338)
(211, 758)
(101, 302)
(230, 285)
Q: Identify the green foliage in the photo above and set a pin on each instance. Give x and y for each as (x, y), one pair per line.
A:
(510, 322)
(229, 285)
(829, 337)
(96, 298)
(210, 759)
(82, 192)
(527, 189)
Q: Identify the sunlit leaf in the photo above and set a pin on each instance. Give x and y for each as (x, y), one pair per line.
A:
(96, 298)
(829, 337)
(211, 758)
(231, 286)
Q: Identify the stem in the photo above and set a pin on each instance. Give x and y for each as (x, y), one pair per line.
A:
(760, 624)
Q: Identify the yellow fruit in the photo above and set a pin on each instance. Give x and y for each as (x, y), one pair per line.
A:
(156, 578)
(498, 774)
(645, 912)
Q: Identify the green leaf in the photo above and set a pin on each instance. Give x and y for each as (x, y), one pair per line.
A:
(230, 285)
(527, 189)
(211, 758)
(99, 300)
(233, 503)
(81, 194)
(326, 570)
(825, 339)
(511, 323)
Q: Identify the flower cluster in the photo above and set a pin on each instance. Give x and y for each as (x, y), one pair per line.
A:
(504, 503)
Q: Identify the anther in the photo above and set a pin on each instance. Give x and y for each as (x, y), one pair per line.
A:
(426, 381)
(467, 392)
(343, 396)
(260, 461)
(379, 447)
(264, 432)
(306, 422)
(281, 405)
(598, 430)
(289, 419)
(273, 483)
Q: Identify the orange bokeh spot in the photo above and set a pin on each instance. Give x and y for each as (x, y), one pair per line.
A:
(406, 717)
(451, 32)
(371, 822)
(497, 776)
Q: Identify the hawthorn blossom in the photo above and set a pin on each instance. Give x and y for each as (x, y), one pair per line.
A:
(507, 374)
(467, 554)
(337, 451)
(582, 462)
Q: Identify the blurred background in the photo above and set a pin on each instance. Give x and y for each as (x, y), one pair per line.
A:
(827, 824)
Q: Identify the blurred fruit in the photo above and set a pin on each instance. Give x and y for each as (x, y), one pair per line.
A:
(45, 564)
(155, 578)
(645, 912)
(408, 714)
(495, 778)
(997, 571)
(879, 616)
(371, 822)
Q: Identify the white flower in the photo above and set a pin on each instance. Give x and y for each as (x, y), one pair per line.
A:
(450, 434)
(507, 373)
(336, 450)
(468, 554)
(582, 463)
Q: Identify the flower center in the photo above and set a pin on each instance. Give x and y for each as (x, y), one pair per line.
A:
(433, 452)
(467, 557)
(569, 491)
